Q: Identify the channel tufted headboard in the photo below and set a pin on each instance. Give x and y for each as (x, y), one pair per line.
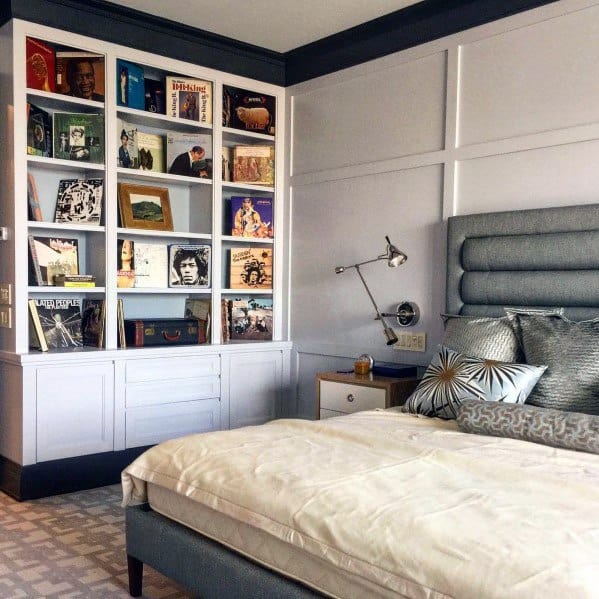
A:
(536, 258)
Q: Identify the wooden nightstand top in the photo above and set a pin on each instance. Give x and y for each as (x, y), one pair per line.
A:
(367, 380)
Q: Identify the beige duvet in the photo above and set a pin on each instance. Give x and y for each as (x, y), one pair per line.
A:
(409, 505)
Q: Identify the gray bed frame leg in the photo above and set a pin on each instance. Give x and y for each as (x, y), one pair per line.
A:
(135, 569)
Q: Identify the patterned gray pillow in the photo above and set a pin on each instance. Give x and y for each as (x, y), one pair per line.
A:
(571, 352)
(570, 430)
(452, 377)
(482, 337)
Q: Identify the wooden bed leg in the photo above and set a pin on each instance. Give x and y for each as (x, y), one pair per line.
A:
(135, 568)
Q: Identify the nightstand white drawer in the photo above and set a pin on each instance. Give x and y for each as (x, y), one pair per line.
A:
(343, 397)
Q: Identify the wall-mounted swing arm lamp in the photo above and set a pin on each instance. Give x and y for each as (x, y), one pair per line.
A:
(394, 258)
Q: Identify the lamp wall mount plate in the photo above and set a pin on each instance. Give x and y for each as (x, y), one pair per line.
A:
(407, 314)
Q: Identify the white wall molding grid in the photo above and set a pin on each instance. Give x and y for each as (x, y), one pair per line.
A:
(502, 116)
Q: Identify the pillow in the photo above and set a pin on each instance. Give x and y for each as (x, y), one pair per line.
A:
(570, 430)
(453, 377)
(483, 337)
(571, 352)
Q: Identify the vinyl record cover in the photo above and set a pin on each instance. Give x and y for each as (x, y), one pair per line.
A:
(199, 308)
(250, 268)
(35, 209)
(189, 265)
(125, 263)
(151, 265)
(61, 321)
(251, 217)
(248, 110)
(189, 99)
(150, 150)
(251, 319)
(39, 131)
(53, 256)
(80, 74)
(41, 65)
(128, 156)
(92, 322)
(79, 201)
(130, 89)
(254, 165)
(155, 98)
(79, 137)
(180, 159)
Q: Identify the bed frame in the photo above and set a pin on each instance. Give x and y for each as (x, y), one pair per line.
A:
(530, 258)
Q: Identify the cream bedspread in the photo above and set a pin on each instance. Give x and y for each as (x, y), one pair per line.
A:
(408, 503)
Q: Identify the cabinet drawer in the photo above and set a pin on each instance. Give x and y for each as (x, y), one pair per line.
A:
(167, 392)
(160, 369)
(146, 426)
(342, 397)
(330, 414)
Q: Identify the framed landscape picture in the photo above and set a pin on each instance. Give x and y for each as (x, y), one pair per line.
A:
(145, 207)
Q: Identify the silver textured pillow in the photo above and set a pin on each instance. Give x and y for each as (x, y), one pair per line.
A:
(570, 430)
(483, 337)
(452, 377)
(571, 352)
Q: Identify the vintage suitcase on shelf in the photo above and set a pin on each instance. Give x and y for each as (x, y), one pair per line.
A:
(164, 331)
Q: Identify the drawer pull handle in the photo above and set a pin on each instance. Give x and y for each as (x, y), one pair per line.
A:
(350, 397)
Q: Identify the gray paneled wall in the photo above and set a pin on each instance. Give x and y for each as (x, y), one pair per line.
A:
(499, 117)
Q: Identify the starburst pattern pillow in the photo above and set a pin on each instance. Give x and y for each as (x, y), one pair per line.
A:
(453, 377)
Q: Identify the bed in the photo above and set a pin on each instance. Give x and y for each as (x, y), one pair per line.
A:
(460, 498)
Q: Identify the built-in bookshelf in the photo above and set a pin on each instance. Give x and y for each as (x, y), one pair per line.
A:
(142, 117)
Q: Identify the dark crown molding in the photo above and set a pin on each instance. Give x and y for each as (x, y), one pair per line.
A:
(414, 25)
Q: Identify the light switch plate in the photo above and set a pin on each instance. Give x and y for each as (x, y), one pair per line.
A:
(5, 317)
(5, 294)
(411, 342)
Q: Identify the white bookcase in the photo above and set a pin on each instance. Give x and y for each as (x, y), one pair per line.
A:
(117, 417)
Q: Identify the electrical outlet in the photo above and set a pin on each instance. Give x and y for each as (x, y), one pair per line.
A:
(5, 317)
(5, 294)
(411, 342)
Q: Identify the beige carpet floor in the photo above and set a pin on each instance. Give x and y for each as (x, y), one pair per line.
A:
(70, 546)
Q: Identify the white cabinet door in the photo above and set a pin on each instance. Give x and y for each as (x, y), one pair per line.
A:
(75, 410)
(255, 386)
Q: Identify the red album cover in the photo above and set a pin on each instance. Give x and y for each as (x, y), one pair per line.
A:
(41, 65)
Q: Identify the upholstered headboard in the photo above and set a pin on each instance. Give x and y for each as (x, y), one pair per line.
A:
(536, 258)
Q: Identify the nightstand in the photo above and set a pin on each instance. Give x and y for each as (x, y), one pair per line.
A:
(344, 393)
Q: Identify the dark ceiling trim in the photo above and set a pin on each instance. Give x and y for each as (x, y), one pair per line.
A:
(414, 25)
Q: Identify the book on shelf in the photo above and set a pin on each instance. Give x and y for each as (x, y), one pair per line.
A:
(251, 217)
(36, 333)
(151, 265)
(189, 99)
(92, 322)
(81, 281)
(121, 340)
(189, 154)
(125, 276)
(39, 131)
(251, 319)
(189, 265)
(199, 308)
(150, 151)
(130, 89)
(60, 320)
(128, 156)
(41, 65)
(79, 136)
(79, 201)
(250, 268)
(248, 110)
(254, 165)
(33, 200)
(80, 74)
(51, 256)
(155, 100)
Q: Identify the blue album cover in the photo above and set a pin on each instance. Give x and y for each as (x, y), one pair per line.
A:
(130, 90)
(251, 217)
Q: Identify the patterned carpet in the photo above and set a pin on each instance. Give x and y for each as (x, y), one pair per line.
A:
(70, 546)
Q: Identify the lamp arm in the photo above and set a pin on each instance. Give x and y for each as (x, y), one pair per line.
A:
(376, 308)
